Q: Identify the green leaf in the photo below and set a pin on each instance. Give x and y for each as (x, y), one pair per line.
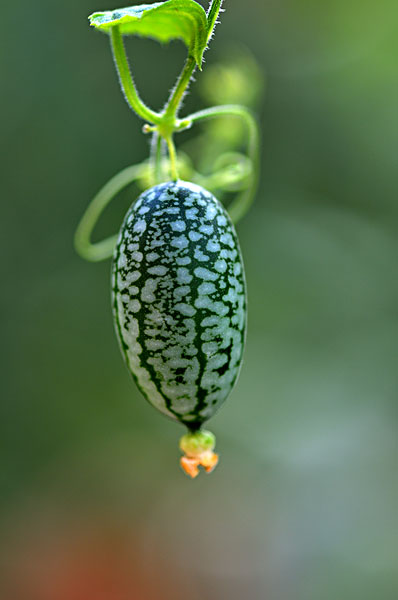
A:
(162, 21)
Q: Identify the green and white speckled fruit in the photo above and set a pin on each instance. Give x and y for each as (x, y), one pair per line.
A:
(179, 300)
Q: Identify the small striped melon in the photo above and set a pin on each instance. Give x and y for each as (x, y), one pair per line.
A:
(179, 300)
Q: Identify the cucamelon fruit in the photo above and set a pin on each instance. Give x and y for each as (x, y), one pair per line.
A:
(179, 302)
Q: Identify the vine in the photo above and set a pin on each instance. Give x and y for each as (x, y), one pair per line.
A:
(178, 283)
(163, 21)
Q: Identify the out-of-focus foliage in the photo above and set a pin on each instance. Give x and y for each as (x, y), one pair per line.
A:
(303, 503)
(221, 145)
(236, 78)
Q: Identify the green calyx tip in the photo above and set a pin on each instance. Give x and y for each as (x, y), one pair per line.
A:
(195, 444)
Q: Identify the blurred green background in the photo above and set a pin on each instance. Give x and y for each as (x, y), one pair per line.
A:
(303, 503)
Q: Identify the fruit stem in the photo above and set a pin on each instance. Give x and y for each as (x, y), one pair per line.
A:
(173, 158)
(156, 158)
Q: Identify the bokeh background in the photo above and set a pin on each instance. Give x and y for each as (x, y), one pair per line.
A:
(303, 504)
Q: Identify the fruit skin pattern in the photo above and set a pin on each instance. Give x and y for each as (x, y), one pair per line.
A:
(179, 300)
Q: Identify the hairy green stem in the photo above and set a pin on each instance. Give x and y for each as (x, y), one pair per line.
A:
(180, 88)
(126, 80)
(212, 15)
